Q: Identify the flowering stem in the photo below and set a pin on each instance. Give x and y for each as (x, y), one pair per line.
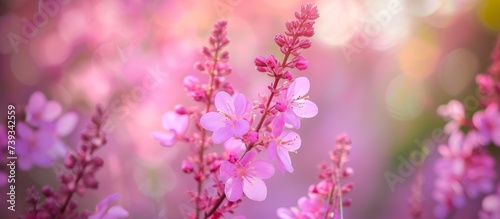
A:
(77, 180)
(262, 119)
(203, 131)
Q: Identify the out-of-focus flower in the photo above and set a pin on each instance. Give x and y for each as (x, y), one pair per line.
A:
(104, 211)
(40, 136)
(283, 142)
(298, 104)
(465, 170)
(246, 177)
(175, 126)
(228, 121)
(488, 123)
(33, 147)
(491, 206)
(234, 147)
(454, 111)
(40, 110)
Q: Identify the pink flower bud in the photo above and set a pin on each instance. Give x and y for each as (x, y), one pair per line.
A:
(180, 109)
(252, 136)
(347, 172)
(199, 66)
(98, 162)
(187, 166)
(287, 76)
(281, 106)
(69, 161)
(191, 83)
(300, 63)
(272, 62)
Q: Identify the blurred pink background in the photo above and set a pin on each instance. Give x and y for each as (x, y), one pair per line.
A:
(378, 71)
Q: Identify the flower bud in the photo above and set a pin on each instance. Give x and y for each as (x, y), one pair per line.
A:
(300, 63)
(187, 166)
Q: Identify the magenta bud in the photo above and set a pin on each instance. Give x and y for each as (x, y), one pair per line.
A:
(252, 136)
(287, 76)
(98, 162)
(199, 66)
(191, 83)
(187, 166)
(347, 172)
(347, 188)
(70, 161)
(180, 109)
(47, 191)
(300, 63)
(281, 106)
(90, 182)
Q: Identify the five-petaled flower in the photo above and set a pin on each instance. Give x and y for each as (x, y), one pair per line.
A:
(228, 121)
(175, 125)
(245, 176)
(297, 103)
(283, 142)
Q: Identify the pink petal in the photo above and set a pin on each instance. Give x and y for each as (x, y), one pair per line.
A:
(305, 109)
(293, 140)
(261, 169)
(455, 142)
(255, 189)
(298, 88)
(292, 119)
(165, 138)
(222, 134)
(52, 110)
(227, 170)
(234, 146)
(36, 103)
(234, 188)
(116, 212)
(240, 105)
(44, 139)
(224, 102)
(285, 213)
(212, 121)
(105, 202)
(66, 124)
(285, 159)
(248, 157)
(241, 127)
(24, 131)
(272, 150)
(278, 125)
(173, 121)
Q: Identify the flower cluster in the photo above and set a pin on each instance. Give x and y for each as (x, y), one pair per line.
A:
(466, 169)
(325, 199)
(40, 134)
(245, 128)
(79, 176)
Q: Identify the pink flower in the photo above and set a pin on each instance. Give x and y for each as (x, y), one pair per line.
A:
(103, 211)
(40, 110)
(465, 170)
(228, 121)
(488, 123)
(33, 147)
(245, 176)
(234, 147)
(298, 104)
(175, 126)
(454, 110)
(491, 206)
(283, 142)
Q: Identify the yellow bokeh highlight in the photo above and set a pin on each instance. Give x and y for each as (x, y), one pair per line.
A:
(418, 57)
(489, 13)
